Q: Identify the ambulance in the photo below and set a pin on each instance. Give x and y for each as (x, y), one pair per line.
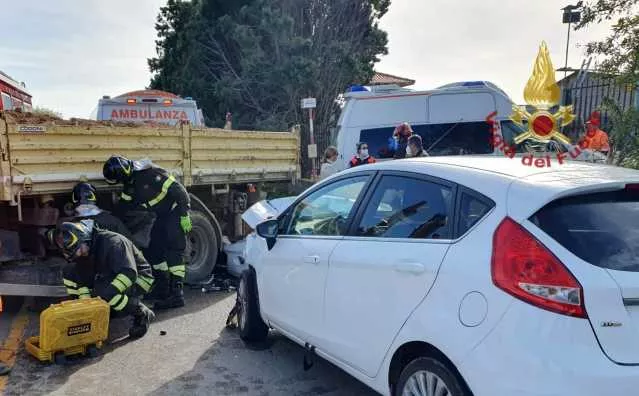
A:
(149, 106)
(451, 119)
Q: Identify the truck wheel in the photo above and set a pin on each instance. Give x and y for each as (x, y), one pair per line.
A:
(201, 248)
(252, 327)
(60, 358)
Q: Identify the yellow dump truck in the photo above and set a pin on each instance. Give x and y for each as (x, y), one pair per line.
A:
(42, 159)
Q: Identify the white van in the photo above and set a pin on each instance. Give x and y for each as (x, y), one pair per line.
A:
(450, 119)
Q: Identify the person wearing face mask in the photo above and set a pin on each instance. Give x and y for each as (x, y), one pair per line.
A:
(329, 163)
(414, 147)
(362, 157)
(401, 134)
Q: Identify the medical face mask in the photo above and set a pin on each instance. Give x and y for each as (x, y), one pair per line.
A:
(363, 154)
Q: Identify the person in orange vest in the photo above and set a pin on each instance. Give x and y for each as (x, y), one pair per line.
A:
(4, 369)
(362, 157)
(595, 138)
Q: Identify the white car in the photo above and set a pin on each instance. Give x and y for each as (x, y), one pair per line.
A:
(458, 276)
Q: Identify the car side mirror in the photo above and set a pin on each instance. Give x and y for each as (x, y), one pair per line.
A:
(268, 230)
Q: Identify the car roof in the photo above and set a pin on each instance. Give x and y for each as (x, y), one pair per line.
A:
(523, 188)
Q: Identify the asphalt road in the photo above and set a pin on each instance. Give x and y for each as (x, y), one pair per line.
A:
(197, 356)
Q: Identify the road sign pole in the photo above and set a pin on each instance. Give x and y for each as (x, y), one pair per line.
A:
(310, 104)
(310, 124)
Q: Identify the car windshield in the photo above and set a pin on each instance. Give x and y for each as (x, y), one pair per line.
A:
(599, 228)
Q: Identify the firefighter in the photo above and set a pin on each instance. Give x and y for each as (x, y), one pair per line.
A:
(362, 157)
(118, 274)
(84, 198)
(153, 188)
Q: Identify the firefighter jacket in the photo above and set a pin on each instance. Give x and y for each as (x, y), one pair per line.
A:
(115, 260)
(154, 189)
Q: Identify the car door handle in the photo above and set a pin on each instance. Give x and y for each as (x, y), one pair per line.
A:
(311, 259)
(410, 267)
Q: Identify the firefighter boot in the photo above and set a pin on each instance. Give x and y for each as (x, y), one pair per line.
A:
(160, 290)
(175, 298)
(142, 318)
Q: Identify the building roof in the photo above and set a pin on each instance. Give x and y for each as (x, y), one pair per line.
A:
(389, 79)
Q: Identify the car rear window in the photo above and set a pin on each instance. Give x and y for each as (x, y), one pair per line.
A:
(600, 228)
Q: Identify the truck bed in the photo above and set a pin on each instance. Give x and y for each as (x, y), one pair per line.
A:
(43, 156)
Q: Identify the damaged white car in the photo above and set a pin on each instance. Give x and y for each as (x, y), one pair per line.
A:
(456, 276)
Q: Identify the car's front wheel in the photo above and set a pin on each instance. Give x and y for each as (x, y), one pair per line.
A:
(426, 376)
(252, 327)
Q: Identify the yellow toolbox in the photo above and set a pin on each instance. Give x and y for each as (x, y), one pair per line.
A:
(71, 328)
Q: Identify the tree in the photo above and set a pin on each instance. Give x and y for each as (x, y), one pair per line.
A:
(258, 58)
(624, 139)
(620, 50)
(172, 46)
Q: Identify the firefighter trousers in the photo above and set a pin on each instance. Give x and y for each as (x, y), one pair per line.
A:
(166, 249)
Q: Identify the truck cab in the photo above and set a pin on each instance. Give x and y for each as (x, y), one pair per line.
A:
(150, 106)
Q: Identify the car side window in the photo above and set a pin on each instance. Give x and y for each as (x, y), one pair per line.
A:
(327, 211)
(472, 209)
(405, 207)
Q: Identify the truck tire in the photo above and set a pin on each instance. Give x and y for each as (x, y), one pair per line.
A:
(201, 249)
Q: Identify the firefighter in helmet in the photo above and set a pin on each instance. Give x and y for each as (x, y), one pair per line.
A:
(151, 187)
(106, 265)
(84, 197)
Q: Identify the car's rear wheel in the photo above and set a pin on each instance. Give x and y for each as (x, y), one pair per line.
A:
(427, 376)
(252, 327)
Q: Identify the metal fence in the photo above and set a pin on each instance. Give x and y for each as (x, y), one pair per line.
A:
(588, 94)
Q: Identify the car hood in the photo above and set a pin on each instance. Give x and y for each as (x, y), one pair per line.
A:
(265, 210)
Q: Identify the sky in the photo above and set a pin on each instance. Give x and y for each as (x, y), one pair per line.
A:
(72, 52)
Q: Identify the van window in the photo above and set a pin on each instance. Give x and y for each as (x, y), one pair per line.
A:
(438, 139)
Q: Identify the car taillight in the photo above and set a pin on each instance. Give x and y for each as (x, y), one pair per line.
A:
(526, 269)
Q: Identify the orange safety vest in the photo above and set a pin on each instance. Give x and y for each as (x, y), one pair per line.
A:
(598, 141)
